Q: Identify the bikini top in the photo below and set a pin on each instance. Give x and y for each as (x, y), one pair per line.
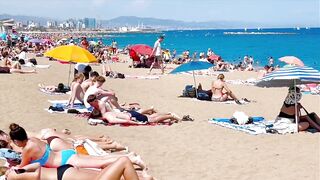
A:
(43, 160)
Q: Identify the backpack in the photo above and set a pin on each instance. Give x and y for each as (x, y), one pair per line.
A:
(203, 96)
(189, 91)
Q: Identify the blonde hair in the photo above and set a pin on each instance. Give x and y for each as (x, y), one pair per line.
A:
(78, 76)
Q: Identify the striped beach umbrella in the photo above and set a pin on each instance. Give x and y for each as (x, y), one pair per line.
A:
(290, 76)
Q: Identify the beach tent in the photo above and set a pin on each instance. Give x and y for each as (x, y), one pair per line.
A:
(290, 76)
(142, 49)
(192, 66)
(71, 53)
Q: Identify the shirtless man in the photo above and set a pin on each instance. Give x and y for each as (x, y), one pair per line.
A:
(221, 92)
(89, 82)
(76, 90)
(104, 95)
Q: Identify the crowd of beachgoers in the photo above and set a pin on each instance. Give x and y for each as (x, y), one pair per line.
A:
(51, 154)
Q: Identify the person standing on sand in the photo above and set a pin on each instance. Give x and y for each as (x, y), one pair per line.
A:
(156, 52)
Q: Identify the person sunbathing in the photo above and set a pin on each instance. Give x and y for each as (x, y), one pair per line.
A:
(76, 90)
(120, 168)
(15, 67)
(221, 92)
(89, 82)
(288, 111)
(36, 151)
(104, 95)
(132, 117)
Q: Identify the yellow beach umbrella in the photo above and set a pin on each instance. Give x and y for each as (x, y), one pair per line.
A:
(71, 53)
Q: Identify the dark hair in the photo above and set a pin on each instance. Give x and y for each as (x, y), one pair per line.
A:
(5, 54)
(91, 98)
(95, 114)
(3, 144)
(88, 68)
(94, 74)
(17, 132)
(2, 132)
(60, 86)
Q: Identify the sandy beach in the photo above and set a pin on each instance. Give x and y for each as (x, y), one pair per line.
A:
(184, 151)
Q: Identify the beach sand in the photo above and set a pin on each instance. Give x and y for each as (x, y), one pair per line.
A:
(184, 151)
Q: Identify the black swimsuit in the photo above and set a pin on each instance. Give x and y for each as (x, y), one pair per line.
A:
(61, 170)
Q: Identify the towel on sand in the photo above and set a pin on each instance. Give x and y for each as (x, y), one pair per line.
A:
(63, 104)
(257, 127)
(94, 122)
(149, 77)
(52, 93)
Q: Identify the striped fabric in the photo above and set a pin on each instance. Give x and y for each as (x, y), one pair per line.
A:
(285, 77)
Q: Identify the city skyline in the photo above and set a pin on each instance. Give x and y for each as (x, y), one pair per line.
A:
(272, 12)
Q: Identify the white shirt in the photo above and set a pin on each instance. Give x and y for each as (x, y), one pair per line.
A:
(23, 55)
(157, 48)
(91, 90)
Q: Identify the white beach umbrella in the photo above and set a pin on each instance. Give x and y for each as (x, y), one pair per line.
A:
(290, 76)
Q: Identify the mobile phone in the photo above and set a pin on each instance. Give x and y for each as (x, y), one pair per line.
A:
(19, 171)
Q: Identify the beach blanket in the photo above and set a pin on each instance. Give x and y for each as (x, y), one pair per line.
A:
(248, 82)
(148, 77)
(53, 93)
(257, 127)
(243, 102)
(36, 66)
(95, 122)
(63, 104)
(201, 73)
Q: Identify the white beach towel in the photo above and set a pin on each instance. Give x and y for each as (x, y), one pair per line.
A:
(222, 102)
(44, 66)
(248, 82)
(149, 77)
(53, 93)
(93, 148)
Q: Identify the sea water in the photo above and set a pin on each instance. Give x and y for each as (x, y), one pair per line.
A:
(234, 44)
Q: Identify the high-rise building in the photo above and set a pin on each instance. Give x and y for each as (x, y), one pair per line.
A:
(90, 23)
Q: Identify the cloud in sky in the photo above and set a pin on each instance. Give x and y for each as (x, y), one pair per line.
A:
(267, 11)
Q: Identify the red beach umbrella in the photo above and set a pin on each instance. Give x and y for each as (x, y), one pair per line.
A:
(142, 49)
(215, 57)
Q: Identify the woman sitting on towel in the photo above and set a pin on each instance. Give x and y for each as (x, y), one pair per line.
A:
(120, 168)
(76, 89)
(288, 111)
(36, 151)
(221, 92)
(132, 117)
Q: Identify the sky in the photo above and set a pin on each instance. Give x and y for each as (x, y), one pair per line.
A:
(270, 12)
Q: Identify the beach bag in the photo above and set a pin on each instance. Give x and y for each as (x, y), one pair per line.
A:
(203, 96)
(4, 70)
(33, 61)
(313, 116)
(189, 91)
(120, 75)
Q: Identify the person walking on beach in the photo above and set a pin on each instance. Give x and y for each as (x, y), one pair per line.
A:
(156, 52)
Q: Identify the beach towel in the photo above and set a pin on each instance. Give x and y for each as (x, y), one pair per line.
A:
(243, 102)
(53, 93)
(257, 127)
(62, 104)
(36, 66)
(148, 77)
(94, 122)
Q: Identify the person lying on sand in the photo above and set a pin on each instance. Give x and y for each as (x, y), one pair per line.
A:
(36, 151)
(132, 117)
(15, 67)
(121, 167)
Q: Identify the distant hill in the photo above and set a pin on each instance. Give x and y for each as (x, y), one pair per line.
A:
(150, 22)
(24, 19)
(168, 23)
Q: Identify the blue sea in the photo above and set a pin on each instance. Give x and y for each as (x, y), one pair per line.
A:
(303, 43)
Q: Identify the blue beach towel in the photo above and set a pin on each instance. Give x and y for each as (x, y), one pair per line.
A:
(257, 127)
(63, 105)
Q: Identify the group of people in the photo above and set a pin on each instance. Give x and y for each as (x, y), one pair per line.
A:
(53, 155)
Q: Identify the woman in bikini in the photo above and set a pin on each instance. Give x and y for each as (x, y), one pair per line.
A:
(76, 89)
(288, 111)
(221, 92)
(120, 168)
(36, 151)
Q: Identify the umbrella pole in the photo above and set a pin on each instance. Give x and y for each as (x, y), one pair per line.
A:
(195, 84)
(69, 74)
(296, 105)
